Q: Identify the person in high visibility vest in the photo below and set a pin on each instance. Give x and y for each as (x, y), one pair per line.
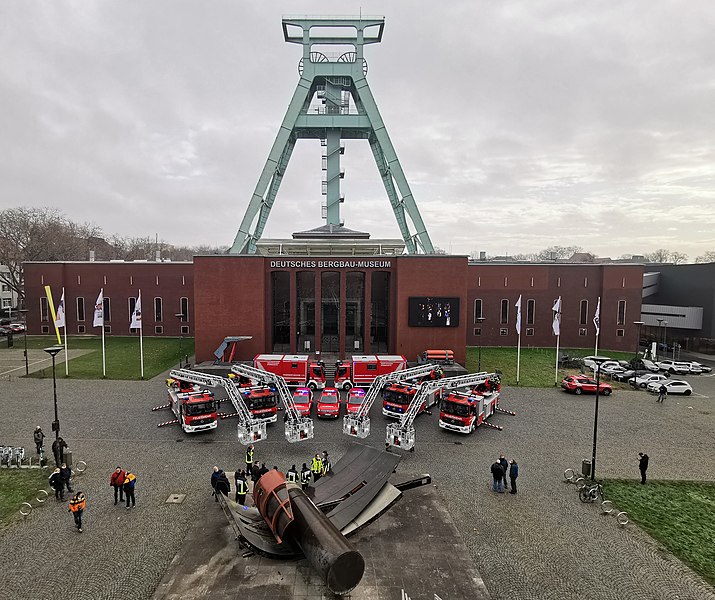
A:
(241, 489)
(77, 506)
(249, 458)
(305, 476)
(316, 467)
(292, 474)
(170, 381)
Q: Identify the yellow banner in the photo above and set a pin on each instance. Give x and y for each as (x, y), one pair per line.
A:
(48, 292)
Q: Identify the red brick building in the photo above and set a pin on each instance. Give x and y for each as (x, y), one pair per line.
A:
(345, 305)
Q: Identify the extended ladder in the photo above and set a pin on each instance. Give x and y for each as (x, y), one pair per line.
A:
(297, 428)
(402, 434)
(358, 425)
(249, 430)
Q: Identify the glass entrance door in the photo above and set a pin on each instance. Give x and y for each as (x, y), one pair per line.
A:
(330, 311)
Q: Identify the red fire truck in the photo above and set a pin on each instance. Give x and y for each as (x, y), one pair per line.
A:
(361, 370)
(195, 409)
(397, 396)
(261, 402)
(296, 369)
(464, 412)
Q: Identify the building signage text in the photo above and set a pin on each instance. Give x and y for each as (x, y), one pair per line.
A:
(330, 264)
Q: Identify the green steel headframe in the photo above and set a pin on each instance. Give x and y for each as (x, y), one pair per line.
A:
(333, 80)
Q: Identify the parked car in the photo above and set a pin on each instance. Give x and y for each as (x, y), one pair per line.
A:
(674, 386)
(329, 404)
(590, 363)
(673, 367)
(611, 367)
(627, 375)
(303, 399)
(355, 400)
(4, 331)
(643, 381)
(16, 327)
(581, 383)
(696, 365)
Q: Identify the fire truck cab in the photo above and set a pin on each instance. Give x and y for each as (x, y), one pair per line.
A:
(464, 412)
(296, 369)
(261, 402)
(195, 409)
(361, 371)
(396, 397)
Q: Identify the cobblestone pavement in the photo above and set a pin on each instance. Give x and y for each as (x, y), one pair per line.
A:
(542, 543)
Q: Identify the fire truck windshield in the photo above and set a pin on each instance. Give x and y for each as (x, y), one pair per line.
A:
(397, 397)
(200, 408)
(454, 408)
(261, 402)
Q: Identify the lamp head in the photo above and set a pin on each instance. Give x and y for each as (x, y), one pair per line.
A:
(53, 350)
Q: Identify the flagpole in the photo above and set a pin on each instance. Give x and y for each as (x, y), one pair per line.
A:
(556, 376)
(67, 362)
(597, 323)
(141, 351)
(104, 362)
(518, 358)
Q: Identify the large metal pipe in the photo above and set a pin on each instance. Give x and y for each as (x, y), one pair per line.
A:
(294, 519)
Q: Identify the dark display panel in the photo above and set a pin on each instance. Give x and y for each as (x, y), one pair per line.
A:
(433, 312)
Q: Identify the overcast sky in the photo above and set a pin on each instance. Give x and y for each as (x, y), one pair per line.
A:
(519, 125)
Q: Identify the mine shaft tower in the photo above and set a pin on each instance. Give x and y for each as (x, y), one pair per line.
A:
(333, 80)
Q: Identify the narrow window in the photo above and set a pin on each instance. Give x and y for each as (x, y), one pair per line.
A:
(477, 310)
(504, 312)
(558, 282)
(44, 309)
(184, 309)
(506, 281)
(107, 311)
(530, 310)
(621, 313)
(80, 309)
(583, 315)
(158, 310)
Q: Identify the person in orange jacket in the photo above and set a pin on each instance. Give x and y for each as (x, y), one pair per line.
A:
(77, 506)
(117, 481)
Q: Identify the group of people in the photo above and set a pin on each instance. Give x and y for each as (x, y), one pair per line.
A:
(58, 446)
(320, 466)
(123, 482)
(60, 479)
(501, 469)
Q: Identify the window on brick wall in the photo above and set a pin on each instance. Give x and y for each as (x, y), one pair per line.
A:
(504, 312)
(583, 313)
(621, 320)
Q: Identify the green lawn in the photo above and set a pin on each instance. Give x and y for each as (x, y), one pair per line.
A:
(679, 514)
(122, 356)
(18, 486)
(537, 367)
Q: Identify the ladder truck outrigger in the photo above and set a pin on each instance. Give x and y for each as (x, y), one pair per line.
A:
(358, 424)
(249, 429)
(402, 434)
(297, 428)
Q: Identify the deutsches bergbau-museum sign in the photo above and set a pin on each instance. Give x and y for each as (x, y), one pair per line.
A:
(330, 264)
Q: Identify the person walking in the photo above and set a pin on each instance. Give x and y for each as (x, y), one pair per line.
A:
(505, 467)
(292, 475)
(327, 465)
(58, 485)
(662, 393)
(116, 480)
(241, 489)
(263, 470)
(513, 474)
(497, 476)
(249, 458)
(39, 437)
(255, 470)
(58, 450)
(316, 467)
(77, 505)
(643, 465)
(66, 476)
(130, 482)
(215, 476)
(305, 476)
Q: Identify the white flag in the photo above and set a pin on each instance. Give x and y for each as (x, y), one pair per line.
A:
(99, 310)
(60, 321)
(597, 317)
(518, 315)
(556, 325)
(137, 314)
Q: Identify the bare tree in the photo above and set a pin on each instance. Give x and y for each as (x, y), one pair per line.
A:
(708, 257)
(38, 234)
(662, 255)
(558, 252)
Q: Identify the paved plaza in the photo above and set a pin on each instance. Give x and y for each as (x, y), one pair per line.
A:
(542, 543)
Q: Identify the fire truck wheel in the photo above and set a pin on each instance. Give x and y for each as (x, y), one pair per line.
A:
(312, 386)
(347, 386)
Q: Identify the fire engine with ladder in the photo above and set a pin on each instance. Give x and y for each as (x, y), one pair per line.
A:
(249, 429)
(297, 428)
(194, 408)
(463, 412)
(358, 423)
(402, 434)
(396, 397)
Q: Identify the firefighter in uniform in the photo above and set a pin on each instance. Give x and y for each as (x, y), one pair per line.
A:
(292, 475)
(305, 476)
(241, 489)
(249, 458)
(77, 505)
(327, 467)
(316, 467)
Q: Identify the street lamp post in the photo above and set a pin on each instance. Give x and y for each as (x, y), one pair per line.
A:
(638, 340)
(598, 360)
(480, 320)
(180, 316)
(53, 351)
(665, 338)
(657, 337)
(23, 312)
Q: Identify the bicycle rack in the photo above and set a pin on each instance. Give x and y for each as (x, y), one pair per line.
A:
(41, 496)
(607, 507)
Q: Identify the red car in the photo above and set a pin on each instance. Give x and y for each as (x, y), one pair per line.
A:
(582, 383)
(329, 404)
(303, 399)
(355, 399)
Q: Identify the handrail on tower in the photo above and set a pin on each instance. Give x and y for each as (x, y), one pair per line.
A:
(249, 429)
(297, 427)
